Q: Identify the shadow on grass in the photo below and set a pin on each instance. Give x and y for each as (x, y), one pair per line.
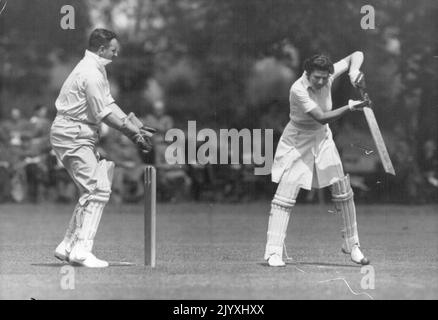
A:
(53, 264)
(60, 264)
(323, 264)
(318, 264)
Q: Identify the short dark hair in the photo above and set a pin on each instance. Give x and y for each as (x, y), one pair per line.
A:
(100, 37)
(318, 62)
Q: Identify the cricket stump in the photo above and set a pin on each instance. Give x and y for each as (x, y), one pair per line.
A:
(150, 186)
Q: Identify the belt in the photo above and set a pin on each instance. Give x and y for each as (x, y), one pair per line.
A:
(307, 127)
(70, 118)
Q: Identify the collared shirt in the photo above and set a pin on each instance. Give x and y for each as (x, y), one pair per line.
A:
(85, 95)
(303, 98)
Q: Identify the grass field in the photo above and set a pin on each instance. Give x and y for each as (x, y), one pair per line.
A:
(215, 251)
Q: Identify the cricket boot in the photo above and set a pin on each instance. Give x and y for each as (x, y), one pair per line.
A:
(276, 261)
(81, 256)
(63, 249)
(85, 232)
(277, 226)
(356, 255)
(61, 252)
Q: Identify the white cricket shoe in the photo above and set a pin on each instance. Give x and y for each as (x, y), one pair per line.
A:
(61, 252)
(357, 255)
(84, 258)
(276, 261)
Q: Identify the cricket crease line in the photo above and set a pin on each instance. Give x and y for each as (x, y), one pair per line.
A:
(351, 290)
(300, 269)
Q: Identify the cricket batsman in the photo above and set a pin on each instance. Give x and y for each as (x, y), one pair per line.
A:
(83, 103)
(306, 156)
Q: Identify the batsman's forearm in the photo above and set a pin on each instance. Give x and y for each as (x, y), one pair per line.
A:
(356, 60)
(117, 111)
(113, 121)
(333, 115)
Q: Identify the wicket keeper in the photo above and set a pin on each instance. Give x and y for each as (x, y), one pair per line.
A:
(83, 103)
(306, 156)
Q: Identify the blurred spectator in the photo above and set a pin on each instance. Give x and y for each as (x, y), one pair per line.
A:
(28, 170)
(159, 120)
(429, 167)
(40, 122)
(406, 185)
(36, 152)
(162, 122)
(5, 167)
(173, 181)
(15, 129)
(430, 162)
(4, 163)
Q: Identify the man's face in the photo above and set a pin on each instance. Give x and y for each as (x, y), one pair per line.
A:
(111, 51)
(318, 79)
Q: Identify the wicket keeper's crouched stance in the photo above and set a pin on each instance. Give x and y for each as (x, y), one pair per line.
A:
(84, 101)
(307, 157)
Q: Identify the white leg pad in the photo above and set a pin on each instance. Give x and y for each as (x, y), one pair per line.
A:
(88, 225)
(344, 203)
(69, 236)
(277, 226)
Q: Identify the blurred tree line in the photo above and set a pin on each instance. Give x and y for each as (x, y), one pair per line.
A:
(230, 63)
(30, 40)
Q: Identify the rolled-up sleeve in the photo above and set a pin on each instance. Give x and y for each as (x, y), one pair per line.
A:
(302, 99)
(97, 98)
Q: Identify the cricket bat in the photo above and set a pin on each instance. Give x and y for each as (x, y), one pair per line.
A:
(374, 127)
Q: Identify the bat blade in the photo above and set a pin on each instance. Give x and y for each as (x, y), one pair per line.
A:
(378, 140)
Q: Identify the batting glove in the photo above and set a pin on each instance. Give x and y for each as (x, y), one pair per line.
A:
(356, 105)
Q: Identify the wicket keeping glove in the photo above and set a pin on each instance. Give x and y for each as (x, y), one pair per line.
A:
(144, 144)
(144, 130)
(142, 141)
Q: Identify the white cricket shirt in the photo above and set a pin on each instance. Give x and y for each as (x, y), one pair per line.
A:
(85, 95)
(303, 98)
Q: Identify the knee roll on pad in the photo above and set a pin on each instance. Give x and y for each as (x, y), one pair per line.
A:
(283, 203)
(341, 189)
